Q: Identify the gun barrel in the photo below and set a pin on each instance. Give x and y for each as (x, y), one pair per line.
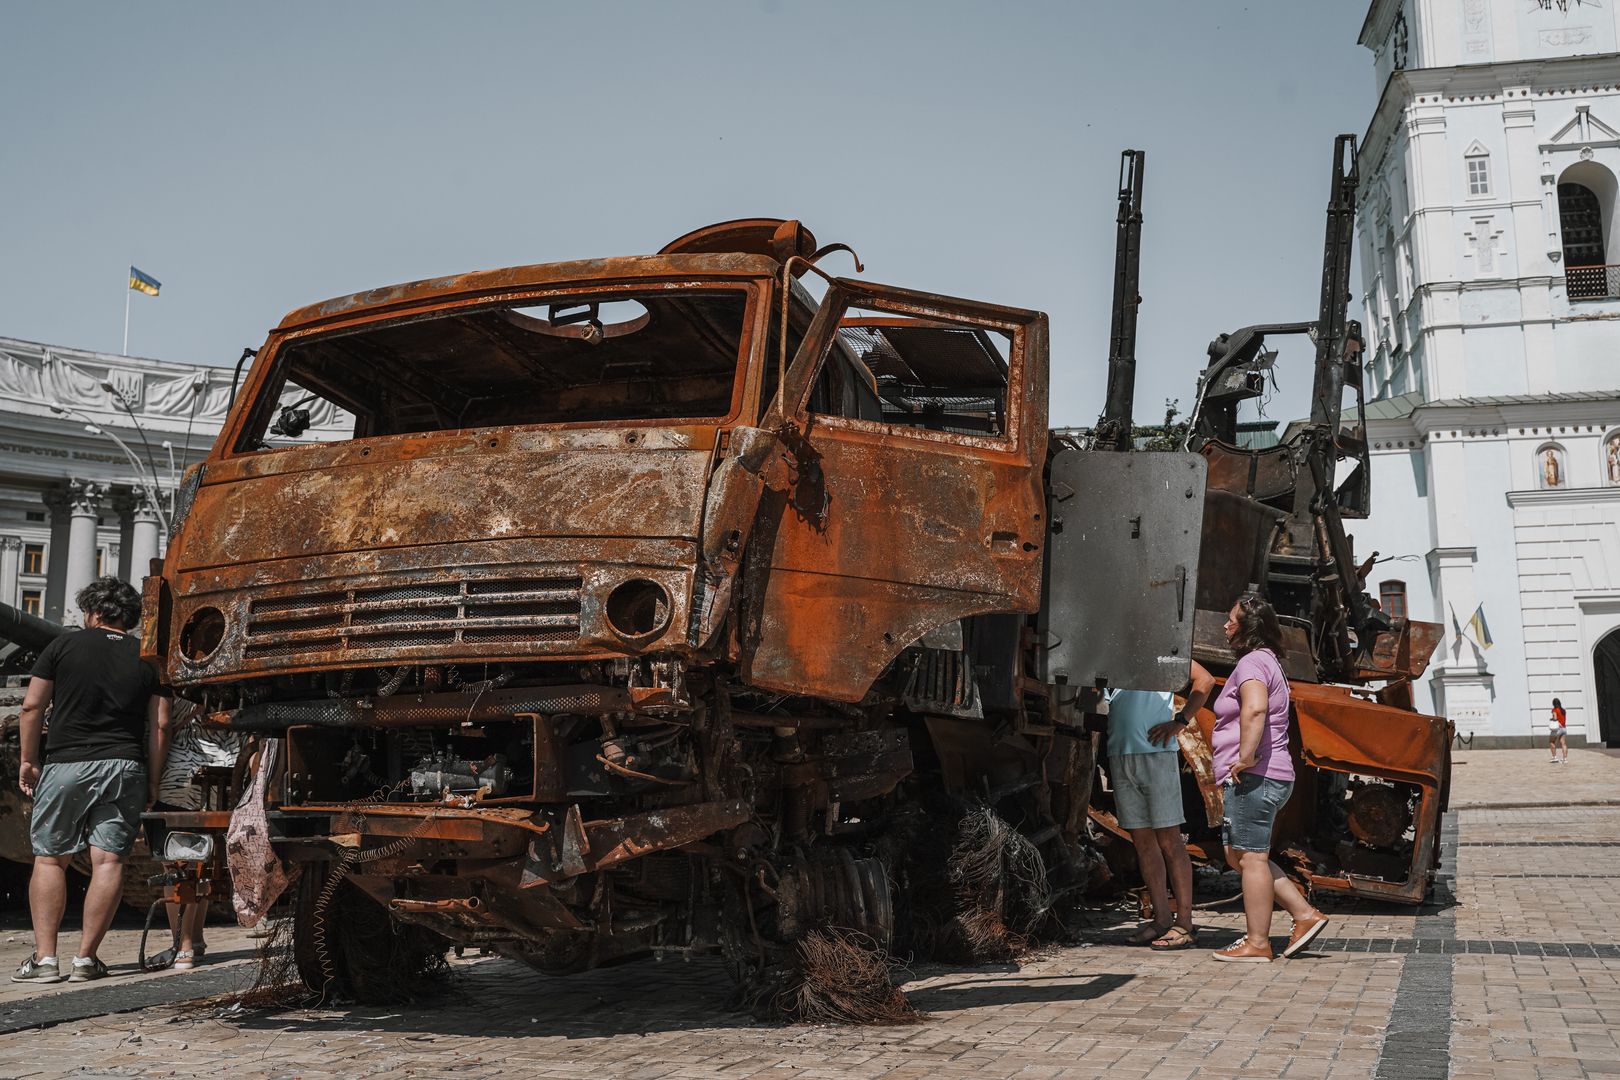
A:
(1115, 427)
(28, 631)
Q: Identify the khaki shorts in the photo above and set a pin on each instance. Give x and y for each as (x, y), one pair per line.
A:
(88, 803)
(1147, 789)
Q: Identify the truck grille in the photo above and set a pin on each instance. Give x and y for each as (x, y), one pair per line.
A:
(528, 610)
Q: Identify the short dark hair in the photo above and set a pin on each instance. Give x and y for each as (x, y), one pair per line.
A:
(115, 602)
(1556, 705)
(1258, 627)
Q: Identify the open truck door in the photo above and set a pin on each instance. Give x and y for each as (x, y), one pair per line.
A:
(916, 426)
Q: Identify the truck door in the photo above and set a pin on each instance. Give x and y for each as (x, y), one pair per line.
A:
(916, 427)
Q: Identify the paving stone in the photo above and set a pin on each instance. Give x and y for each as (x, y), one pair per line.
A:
(1507, 978)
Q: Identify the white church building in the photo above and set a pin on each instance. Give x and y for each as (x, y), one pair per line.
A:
(1490, 258)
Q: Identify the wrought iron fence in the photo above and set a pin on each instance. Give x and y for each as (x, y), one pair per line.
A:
(1592, 282)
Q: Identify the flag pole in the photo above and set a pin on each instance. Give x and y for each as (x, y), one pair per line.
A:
(127, 291)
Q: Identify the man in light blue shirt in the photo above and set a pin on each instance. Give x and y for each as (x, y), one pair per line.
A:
(1144, 765)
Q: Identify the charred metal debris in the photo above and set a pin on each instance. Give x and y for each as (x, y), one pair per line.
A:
(650, 606)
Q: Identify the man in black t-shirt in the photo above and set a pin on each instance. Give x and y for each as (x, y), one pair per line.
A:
(108, 737)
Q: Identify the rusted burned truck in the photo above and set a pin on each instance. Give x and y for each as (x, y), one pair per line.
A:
(1373, 772)
(652, 605)
(655, 605)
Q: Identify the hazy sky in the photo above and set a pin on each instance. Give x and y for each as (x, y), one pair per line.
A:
(258, 157)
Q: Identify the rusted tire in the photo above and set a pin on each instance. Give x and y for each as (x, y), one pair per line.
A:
(320, 975)
(346, 946)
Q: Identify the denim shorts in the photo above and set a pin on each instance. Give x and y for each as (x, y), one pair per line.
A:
(1251, 810)
(88, 803)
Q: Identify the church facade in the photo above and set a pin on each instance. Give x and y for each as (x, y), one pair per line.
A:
(1490, 261)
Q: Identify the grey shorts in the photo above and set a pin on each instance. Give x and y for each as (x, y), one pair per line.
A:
(95, 803)
(1251, 810)
(1147, 790)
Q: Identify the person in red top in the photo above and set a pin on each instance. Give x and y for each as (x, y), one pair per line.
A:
(1558, 735)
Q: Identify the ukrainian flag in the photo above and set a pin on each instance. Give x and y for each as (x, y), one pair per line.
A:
(144, 283)
(1482, 632)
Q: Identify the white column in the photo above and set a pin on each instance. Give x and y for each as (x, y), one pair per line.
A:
(123, 502)
(10, 557)
(56, 501)
(143, 540)
(84, 513)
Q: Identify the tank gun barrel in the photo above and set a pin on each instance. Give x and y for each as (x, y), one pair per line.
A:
(27, 631)
(1114, 428)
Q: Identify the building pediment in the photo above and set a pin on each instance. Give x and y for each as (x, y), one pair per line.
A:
(162, 394)
(1583, 129)
(1582, 125)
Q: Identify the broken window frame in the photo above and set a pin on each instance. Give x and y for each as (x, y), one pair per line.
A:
(1020, 426)
(256, 412)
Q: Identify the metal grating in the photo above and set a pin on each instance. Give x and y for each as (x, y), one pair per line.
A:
(1592, 282)
(416, 615)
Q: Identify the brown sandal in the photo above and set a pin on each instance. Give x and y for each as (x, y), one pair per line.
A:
(1177, 937)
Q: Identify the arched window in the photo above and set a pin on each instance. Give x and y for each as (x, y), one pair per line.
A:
(1611, 458)
(1587, 198)
(1551, 469)
(1581, 217)
(1392, 598)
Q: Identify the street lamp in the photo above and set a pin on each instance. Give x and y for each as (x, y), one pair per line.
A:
(148, 484)
(118, 396)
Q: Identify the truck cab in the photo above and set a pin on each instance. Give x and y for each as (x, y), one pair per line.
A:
(625, 605)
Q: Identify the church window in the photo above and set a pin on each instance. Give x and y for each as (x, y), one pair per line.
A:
(1581, 218)
(33, 560)
(1588, 196)
(1392, 598)
(1551, 471)
(1479, 175)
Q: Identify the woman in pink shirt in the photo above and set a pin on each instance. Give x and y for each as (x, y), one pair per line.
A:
(1250, 744)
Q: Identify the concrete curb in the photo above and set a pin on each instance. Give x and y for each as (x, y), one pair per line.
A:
(110, 998)
(1534, 805)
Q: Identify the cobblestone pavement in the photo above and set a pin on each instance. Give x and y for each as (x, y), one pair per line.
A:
(1517, 976)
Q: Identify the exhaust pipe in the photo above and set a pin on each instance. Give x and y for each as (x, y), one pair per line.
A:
(469, 905)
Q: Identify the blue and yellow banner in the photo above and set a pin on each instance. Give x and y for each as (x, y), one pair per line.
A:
(144, 283)
(1482, 632)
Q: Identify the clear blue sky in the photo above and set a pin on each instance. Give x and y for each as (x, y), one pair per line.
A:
(255, 158)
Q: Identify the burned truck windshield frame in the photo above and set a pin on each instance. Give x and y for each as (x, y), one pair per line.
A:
(564, 359)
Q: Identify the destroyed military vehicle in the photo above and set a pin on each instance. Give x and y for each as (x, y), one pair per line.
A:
(1373, 773)
(653, 605)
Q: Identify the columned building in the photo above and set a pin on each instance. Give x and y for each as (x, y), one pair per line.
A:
(92, 447)
(1490, 260)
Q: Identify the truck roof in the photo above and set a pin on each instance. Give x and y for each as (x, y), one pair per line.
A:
(538, 275)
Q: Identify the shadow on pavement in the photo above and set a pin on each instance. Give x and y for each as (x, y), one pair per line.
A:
(501, 997)
(497, 997)
(1015, 990)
